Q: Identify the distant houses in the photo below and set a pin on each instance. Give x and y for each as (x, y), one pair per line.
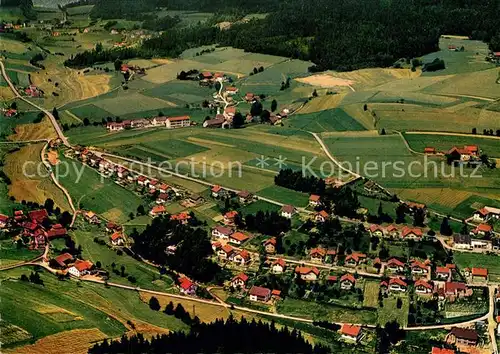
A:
(156, 122)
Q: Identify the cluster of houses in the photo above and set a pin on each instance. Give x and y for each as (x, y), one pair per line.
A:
(207, 78)
(395, 231)
(72, 266)
(9, 112)
(486, 214)
(156, 122)
(33, 91)
(466, 153)
(35, 226)
(127, 69)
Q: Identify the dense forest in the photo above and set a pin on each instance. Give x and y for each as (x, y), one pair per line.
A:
(221, 336)
(192, 248)
(340, 35)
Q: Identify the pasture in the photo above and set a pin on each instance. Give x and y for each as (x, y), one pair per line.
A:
(90, 191)
(285, 196)
(324, 121)
(370, 294)
(390, 311)
(180, 92)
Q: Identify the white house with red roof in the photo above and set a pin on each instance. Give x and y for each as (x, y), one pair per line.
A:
(242, 258)
(482, 230)
(80, 268)
(398, 285)
(216, 191)
(443, 273)
(278, 266)
(178, 122)
(162, 198)
(143, 180)
(350, 332)
(423, 287)
(183, 218)
(314, 200)
(480, 274)
(486, 213)
(226, 252)
(222, 232)
(157, 210)
(354, 259)
(231, 90)
(411, 233)
(317, 254)
(392, 231)
(321, 216)
(288, 211)
(347, 281)
(229, 217)
(239, 281)
(4, 219)
(258, 293)
(270, 245)
(186, 286)
(419, 268)
(307, 273)
(395, 265)
(376, 230)
(238, 238)
(117, 238)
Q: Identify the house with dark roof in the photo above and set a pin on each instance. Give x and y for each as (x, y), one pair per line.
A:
(462, 241)
(222, 232)
(288, 211)
(258, 293)
(270, 245)
(462, 336)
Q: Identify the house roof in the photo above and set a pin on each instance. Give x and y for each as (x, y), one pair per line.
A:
(231, 214)
(280, 262)
(116, 236)
(164, 187)
(223, 230)
(230, 110)
(38, 215)
(227, 249)
(418, 264)
(436, 350)
(185, 283)
(244, 254)
(395, 261)
(443, 270)
(56, 232)
(216, 189)
(429, 149)
(464, 333)
(290, 209)
(232, 89)
(63, 258)
(260, 291)
(82, 265)
(4, 218)
(423, 283)
(180, 217)
(411, 230)
(163, 196)
(462, 239)
(332, 278)
(350, 330)
(479, 272)
(206, 74)
(348, 277)
(158, 209)
(240, 236)
(270, 241)
(398, 281)
(306, 270)
(241, 276)
(392, 228)
(483, 228)
(314, 198)
(178, 119)
(323, 214)
(276, 292)
(453, 287)
(375, 227)
(244, 194)
(355, 256)
(318, 251)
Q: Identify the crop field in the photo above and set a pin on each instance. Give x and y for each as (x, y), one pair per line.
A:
(436, 197)
(325, 121)
(413, 98)
(169, 71)
(489, 145)
(10, 13)
(34, 131)
(371, 291)
(92, 193)
(131, 104)
(27, 184)
(322, 103)
(285, 196)
(181, 92)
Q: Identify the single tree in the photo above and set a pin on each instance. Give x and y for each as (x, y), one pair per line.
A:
(154, 304)
(274, 105)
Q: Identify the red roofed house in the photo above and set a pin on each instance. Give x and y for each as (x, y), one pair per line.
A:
(64, 259)
(80, 268)
(350, 332)
(186, 286)
(243, 257)
(258, 293)
(278, 266)
(429, 150)
(249, 97)
(463, 154)
(307, 273)
(423, 287)
(117, 239)
(162, 198)
(157, 210)
(322, 216)
(392, 231)
(354, 259)
(232, 90)
(463, 336)
(244, 196)
(238, 238)
(482, 230)
(143, 180)
(230, 112)
(229, 217)
(347, 281)
(443, 273)
(419, 268)
(287, 211)
(479, 274)
(314, 200)
(395, 265)
(411, 233)
(226, 252)
(38, 216)
(178, 122)
(376, 230)
(486, 213)
(206, 75)
(4, 219)
(163, 188)
(216, 191)
(318, 254)
(182, 218)
(397, 284)
(222, 232)
(239, 281)
(454, 290)
(436, 350)
(56, 231)
(270, 245)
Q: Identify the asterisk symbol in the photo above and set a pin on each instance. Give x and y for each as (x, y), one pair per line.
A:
(280, 161)
(262, 161)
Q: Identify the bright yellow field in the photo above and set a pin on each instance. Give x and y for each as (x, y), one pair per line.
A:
(42, 130)
(323, 102)
(34, 188)
(374, 77)
(76, 341)
(6, 94)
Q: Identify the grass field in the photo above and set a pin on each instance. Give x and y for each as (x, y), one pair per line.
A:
(180, 92)
(469, 260)
(390, 312)
(101, 196)
(27, 183)
(10, 253)
(285, 195)
(371, 291)
(325, 121)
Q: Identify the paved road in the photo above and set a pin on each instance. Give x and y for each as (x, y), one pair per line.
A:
(57, 128)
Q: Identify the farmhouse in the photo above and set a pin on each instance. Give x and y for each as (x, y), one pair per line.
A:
(258, 293)
(307, 273)
(318, 254)
(56, 231)
(217, 191)
(232, 90)
(376, 230)
(482, 230)
(238, 238)
(321, 216)
(38, 216)
(222, 232)
(226, 252)
(395, 265)
(117, 239)
(242, 258)
(480, 274)
(411, 233)
(397, 284)
(436, 350)
(429, 150)
(186, 286)
(462, 336)
(392, 231)
(347, 281)
(178, 122)
(462, 241)
(443, 273)
(114, 127)
(454, 290)
(485, 214)
(466, 153)
(354, 259)
(314, 200)
(245, 196)
(162, 198)
(229, 217)
(143, 181)
(4, 219)
(64, 259)
(80, 268)
(214, 123)
(288, 211)
(350, 332)
(270, 245)
(423, 287)
(239, 281)
(182, 218)
(157, 210)
(278, 266)
(419, 268)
